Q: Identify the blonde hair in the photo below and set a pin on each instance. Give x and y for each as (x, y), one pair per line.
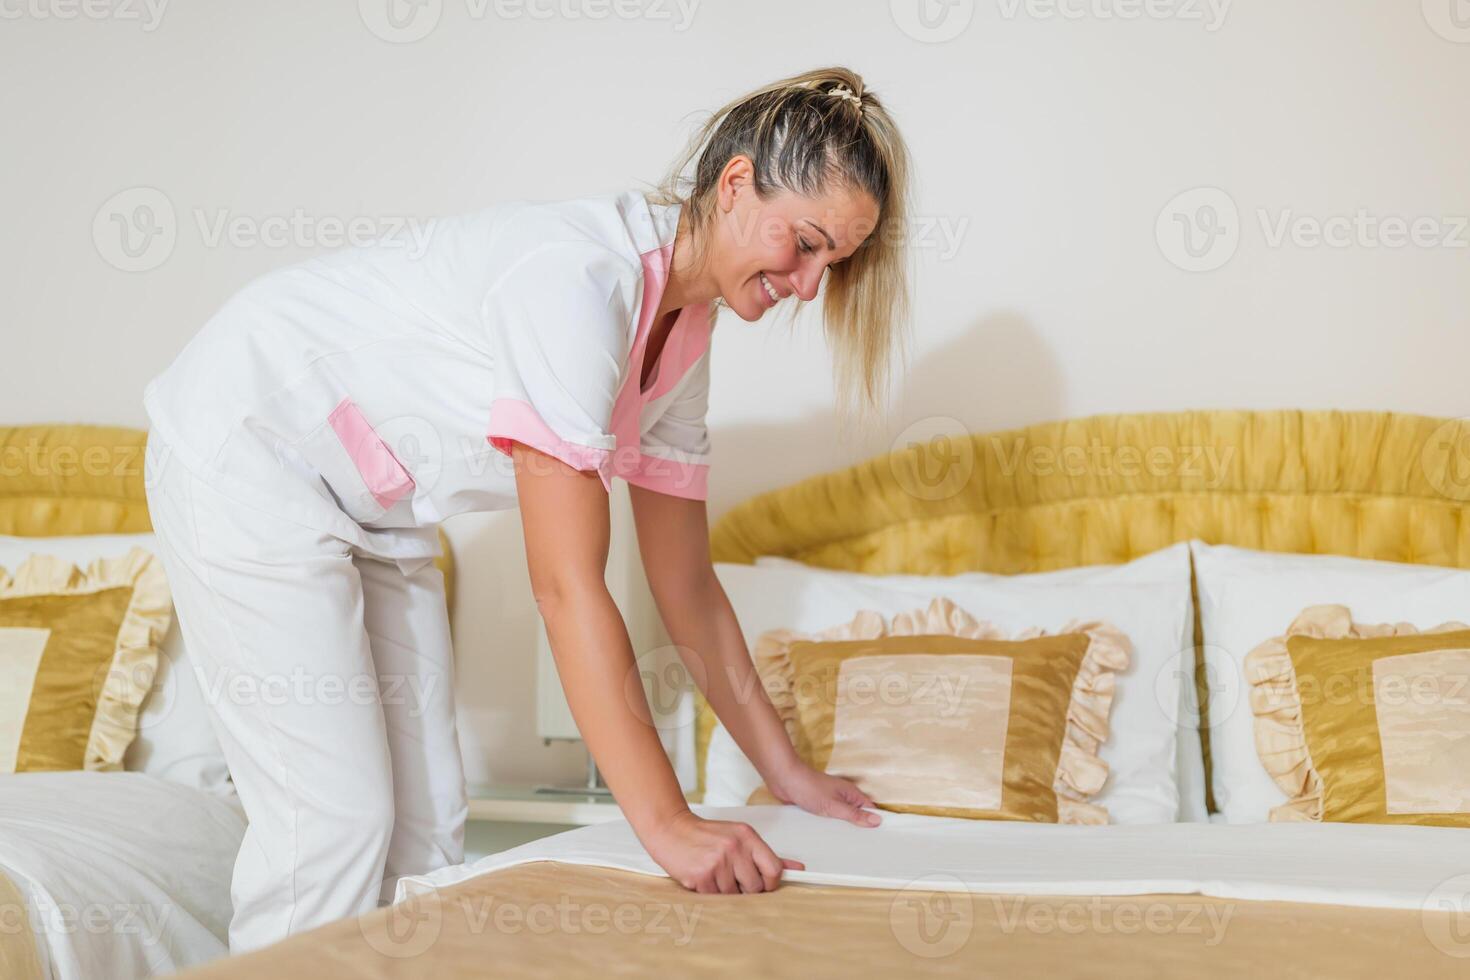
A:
(809, 134)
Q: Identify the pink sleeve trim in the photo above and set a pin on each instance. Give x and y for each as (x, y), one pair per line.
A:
(386, 478)
(687, 480)
(512, 420)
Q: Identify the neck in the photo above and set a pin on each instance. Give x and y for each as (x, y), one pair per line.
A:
(685, 287)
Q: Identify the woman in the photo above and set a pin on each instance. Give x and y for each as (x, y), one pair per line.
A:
(308, 441)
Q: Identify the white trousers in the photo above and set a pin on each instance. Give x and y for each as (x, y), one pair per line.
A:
(330, 680)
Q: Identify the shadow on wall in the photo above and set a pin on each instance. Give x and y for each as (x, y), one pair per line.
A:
(998, 374)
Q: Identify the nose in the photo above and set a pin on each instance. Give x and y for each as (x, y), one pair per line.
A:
(806, 279)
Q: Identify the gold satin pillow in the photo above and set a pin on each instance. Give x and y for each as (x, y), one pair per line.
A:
(1365, 724)
(78, 652)
(935, 712)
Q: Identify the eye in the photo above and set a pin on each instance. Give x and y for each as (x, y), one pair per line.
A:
(804, 247)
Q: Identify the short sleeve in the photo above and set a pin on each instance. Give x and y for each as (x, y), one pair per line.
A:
(674, 453)
(559, 326)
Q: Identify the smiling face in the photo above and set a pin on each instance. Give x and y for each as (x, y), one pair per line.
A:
(766, 250)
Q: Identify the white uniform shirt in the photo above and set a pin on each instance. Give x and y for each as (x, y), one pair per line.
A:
(373, 392)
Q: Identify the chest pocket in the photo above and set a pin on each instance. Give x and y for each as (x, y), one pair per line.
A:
(368, 481)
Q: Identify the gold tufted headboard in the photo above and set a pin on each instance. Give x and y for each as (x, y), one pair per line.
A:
(1110, 488)
(88, 479)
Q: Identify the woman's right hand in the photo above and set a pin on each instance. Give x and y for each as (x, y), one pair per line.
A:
(716, 856)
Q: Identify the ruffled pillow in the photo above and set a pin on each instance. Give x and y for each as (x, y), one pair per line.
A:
(1364, 723)
(937, 712)
(78, 652)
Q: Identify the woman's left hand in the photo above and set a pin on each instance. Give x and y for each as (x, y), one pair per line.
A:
(825, 795)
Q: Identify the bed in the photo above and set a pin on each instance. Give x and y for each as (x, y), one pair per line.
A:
(115, 874)
(953, 897)
(959, 897)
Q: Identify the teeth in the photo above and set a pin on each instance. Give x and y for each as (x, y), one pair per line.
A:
(770, 290)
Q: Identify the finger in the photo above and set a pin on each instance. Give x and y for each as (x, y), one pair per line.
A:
(791, 865)
(725, 879)
(748, 875)
(767, 863)
(857, 797)
(852, 814)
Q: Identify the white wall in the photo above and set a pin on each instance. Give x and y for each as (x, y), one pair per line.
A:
(1051, 135)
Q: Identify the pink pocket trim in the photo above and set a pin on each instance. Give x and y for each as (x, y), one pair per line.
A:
(386, 478)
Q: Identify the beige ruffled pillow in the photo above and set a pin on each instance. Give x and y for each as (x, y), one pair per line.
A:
(78, 652)
(1365, 723)
(936, 712)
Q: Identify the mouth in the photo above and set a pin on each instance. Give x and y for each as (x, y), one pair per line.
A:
(770, 290)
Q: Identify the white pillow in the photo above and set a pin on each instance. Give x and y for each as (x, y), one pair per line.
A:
(1153, 749)
(1247, 597)
(175, 741)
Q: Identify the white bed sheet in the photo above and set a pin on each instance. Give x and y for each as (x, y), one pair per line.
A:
(1336, 864)
(126, 875)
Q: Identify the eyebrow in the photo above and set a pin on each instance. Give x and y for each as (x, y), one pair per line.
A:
(830, 243)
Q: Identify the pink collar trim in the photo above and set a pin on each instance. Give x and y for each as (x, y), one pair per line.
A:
(687, 342)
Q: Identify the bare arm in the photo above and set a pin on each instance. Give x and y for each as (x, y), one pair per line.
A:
(564, 514)
(565, 518)
(673, 538)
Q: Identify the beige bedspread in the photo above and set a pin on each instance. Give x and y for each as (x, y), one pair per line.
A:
(19, 958)
(548, 919)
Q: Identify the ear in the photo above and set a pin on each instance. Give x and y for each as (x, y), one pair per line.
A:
(735, 180)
